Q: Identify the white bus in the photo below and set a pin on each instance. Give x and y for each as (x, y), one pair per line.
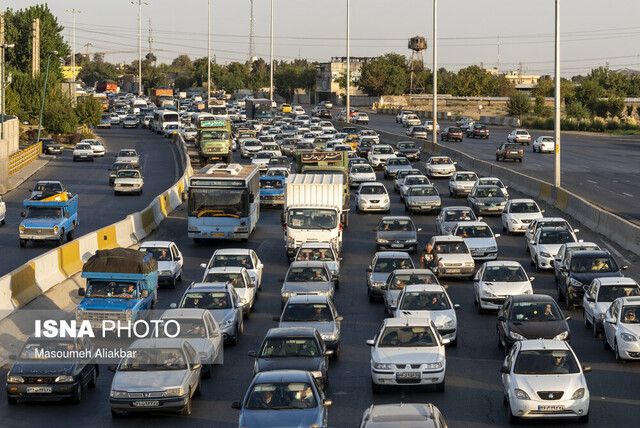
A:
(163, 118)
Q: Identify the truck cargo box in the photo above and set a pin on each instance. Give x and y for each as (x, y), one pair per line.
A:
(318, 190)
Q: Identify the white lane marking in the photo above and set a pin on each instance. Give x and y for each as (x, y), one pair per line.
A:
(591, 181)
(624, 193)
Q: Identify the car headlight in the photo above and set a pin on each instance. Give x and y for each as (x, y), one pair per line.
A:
(129, 314)
(578, 394)
(545, 254)
(393, 302)
(15, 379)
(378, 284)
(287, 294)
(173, 392)
(21, 229)
(243, 300)
(329, 336)
(64, 379)
(469, 264)
(383, 366)
(575, 283)
(490, 249)
(447, 228)
(385, 200)
(628, 337)
(601, 317)
(516, 336)
(448, 324)
(226, 323)
(118, 394)
(437, 203)
(487, 293)
(514, 221)
(433, 366)
(521, 395)
(561, 336)
(316, 374)
(382, 241)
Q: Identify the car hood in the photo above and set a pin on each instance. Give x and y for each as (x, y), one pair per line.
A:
(41, 368)
(423, 198)
(506, 288)
(413, 355)
(289, 363)
(111, 303)
(147, 380)
(568, 383)
(496, 200)
(200, 344)
(525, 216)
(221, 315)
(373, 197)
(397, 236)
(439, 318)
(40, 222)
(455, 258)
(306, 287)
(480, 242)
(364, 175)
(164, 265)
(549, 248)
(587, 277)
(321, 326)
(411, 150)
(380, 276)
(538, 329)
(284, 418)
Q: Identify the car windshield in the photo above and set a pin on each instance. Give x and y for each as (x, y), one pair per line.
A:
(535, 311)
(263, 155)
(50, 349)
(630, 314)
(474, 232)
(161, 254)
(455, 130)
(312, 218)
(206, 300)
(323, 254)
(558, 236)
(235, 278)
(277, 396)
(51, 188)
(553, 223)
(289, 347)
(441, 161)
(391, 264)
(522, 133)
(609, 293)
(451, 247)
(524, 207)
(43, 212)
(373, 190)
(545, 362)
(271, 184)
(129, 173)
(504, 274)
(594, 264)
(311, 312)
(490, 192)
(362, 168)
(399, 281)
(396, 162)
(422, 191)
(189, 328)
(466, 177)
(145, 360)
(489, 182)
(459, 215)
(279, 161)
(396, 226)
(406, 337)
(111, 290)
(409, 181)
(408, 145)
(232, 260)
(307, 274)
(425, 301)
(83, 146)
(382, 150)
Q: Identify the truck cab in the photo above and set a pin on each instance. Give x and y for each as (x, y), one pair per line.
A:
(49, 218)
(214, 141)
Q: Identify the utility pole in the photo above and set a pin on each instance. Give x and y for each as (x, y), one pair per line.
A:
(557, 100)
(271, 57)
(348, 115)
(435, 69)
(86, 45)
(252, 39)
(208, 54)
(35, 48)
(139, 3)
(73, 52)
(150, 39)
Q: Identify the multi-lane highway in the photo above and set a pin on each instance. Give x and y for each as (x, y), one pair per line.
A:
(473, 397)
(97, 205)
(602, 168)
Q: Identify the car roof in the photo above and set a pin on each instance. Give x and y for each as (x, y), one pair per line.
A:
(536, 344)
(307, 263)
(291, 332)
(233, 269)
(464, 172)
(307, 298)
(422, 287)
(585, 254)
(232, 251)
(522, 200)
(472, 223)
(401, 414)
(316, 245)
(457, 208)
(155, 244)
(183, 313)
(634, 300)
(396, 217)
(503, 263)
(581, 244)
(209, 286)
(613, 280)
(392, 255)
(440, 157)
(412, 272)
(406, 321)
(531, 298)
(448, 238)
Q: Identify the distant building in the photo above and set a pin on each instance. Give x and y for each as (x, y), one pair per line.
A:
(328, 73)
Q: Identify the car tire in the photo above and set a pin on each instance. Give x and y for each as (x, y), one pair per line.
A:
(497, 158)
(500, 344)
(117, 413)
(23, 243)
(172, 285)
(198, 391)
(375, 388)
(440, 387)
(246, 315)
(513, 419)
(207, 373)
(70, 234)
(605, 344)
(186, 411)
(596, 333)
(335, 356)
(616, 352)
(559, 293)
(454, 342)
(94, 378)
(587, 324)
(77, 394)
(537, 264)
(234, 339)
(371, 297)
(481, 311)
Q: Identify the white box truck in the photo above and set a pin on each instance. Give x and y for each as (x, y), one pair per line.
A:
(312, 210)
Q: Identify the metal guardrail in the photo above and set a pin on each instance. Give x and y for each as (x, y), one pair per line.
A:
(24, 157)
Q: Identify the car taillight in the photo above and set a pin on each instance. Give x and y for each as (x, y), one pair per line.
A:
(506, 151)
(521, 152)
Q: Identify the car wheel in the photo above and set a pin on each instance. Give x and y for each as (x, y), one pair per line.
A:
(11, 401)
(375, 388)
(198, 391)
(371, 297)
(440, 386)
(23, 243)
(616, 351)
(596, 333)
(207, 373)
(497, 158)
(567, 303)
(187, 408)
(335, 356)
(246, 315)
(605, 344)
(513, 419)
(587, 324)
(454, 342)
(559, 292)
(77, 394)
(500, 344)
(234, 339)
(94, 377)
(526, 248)
(537, 264)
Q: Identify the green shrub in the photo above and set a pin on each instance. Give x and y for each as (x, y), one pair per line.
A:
(597, 125)
(613, 124)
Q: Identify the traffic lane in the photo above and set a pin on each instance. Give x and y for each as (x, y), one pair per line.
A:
(609, 173)
(97, 205)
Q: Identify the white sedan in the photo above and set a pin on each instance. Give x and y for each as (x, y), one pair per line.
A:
(544, 144)
(546, 243)
(245, 258)
(440, 166)
(379, 154)
(83, 151)
(407, 351)
(622, 328)
(518, 213)
(497, 280)
(373, 197)
(543, 379)
(96, 146)
(361, 173)
(479, 238)
(462, 182)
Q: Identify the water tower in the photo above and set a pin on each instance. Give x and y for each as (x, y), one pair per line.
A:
(417, 45)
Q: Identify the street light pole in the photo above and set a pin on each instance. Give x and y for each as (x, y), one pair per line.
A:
(2, 48)
(208, 54)
(73, 55)
(435, 69)
(557, 100)
(44, 92)
(348, 115)
(271, 57)
(139, 3)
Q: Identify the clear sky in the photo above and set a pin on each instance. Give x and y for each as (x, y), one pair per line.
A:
(505, 33)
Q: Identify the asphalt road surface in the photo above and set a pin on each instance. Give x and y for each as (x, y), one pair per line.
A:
(602, 168)
(97, 205)
(473, 397)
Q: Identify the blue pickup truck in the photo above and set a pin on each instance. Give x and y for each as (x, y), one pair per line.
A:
(272, 190)
(49, 218)
(122, 285)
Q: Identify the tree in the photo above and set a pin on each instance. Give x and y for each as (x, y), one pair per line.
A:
(96, 70)
(545, 88)
(59, 117)
(88, 111)
(519, 104)
(472, 81)
(384, 75)
(285, 80)
(540, 109)
(577, 111)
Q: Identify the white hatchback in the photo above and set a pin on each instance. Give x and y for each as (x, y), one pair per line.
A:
(622, 328)
(518, 213)
(169, 258)
(373, 197)
(361, 173)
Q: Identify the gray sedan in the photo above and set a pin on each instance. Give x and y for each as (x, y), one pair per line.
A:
(397, 233)
(307, 278)
(394, 165)
(401, 278)
(487, 200)
(422, 198)
(449, 216)
(382, 265)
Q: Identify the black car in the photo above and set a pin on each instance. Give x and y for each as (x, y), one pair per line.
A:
(581, 268)
(349, 130)
(51, 146)
(117, 166)
(49, 369)
(509, 151)
(397, 233)
(293, 348)
(530, 316)
(325, 114)
(408, 149)
(476, 130)
(363, 148)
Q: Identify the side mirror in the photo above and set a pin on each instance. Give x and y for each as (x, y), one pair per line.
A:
(252, 284)
(532, 242)
(497, 235)
(370, 342)
(328, 352)
(504, 369)
(196, 366)
(173, 306)
(624, 267)
(586, 369)
(259, 266)
(326, 402)
(446, 341)
(368, 270)
(576, 230)
(419, 229)
(252, 354)
(236, 405)
(501, 318)
(339, 259)
(280, 279)
(339, 318)
(591, 299)
(81, 292)
(564, 270)
(111, 368)
(533, 278)
(541, 211)
(178, 258)
(610, 320)
(456, 306)
(144, 294)
(567, 318)
(22, 214)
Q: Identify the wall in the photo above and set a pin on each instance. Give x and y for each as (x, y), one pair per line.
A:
(8, 146)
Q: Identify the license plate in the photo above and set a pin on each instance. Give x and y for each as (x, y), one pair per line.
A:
(39, 389)
(408, 375)
(550, 408)
(397, 245)
(217, 234)
(146, 403)
(453, 270)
